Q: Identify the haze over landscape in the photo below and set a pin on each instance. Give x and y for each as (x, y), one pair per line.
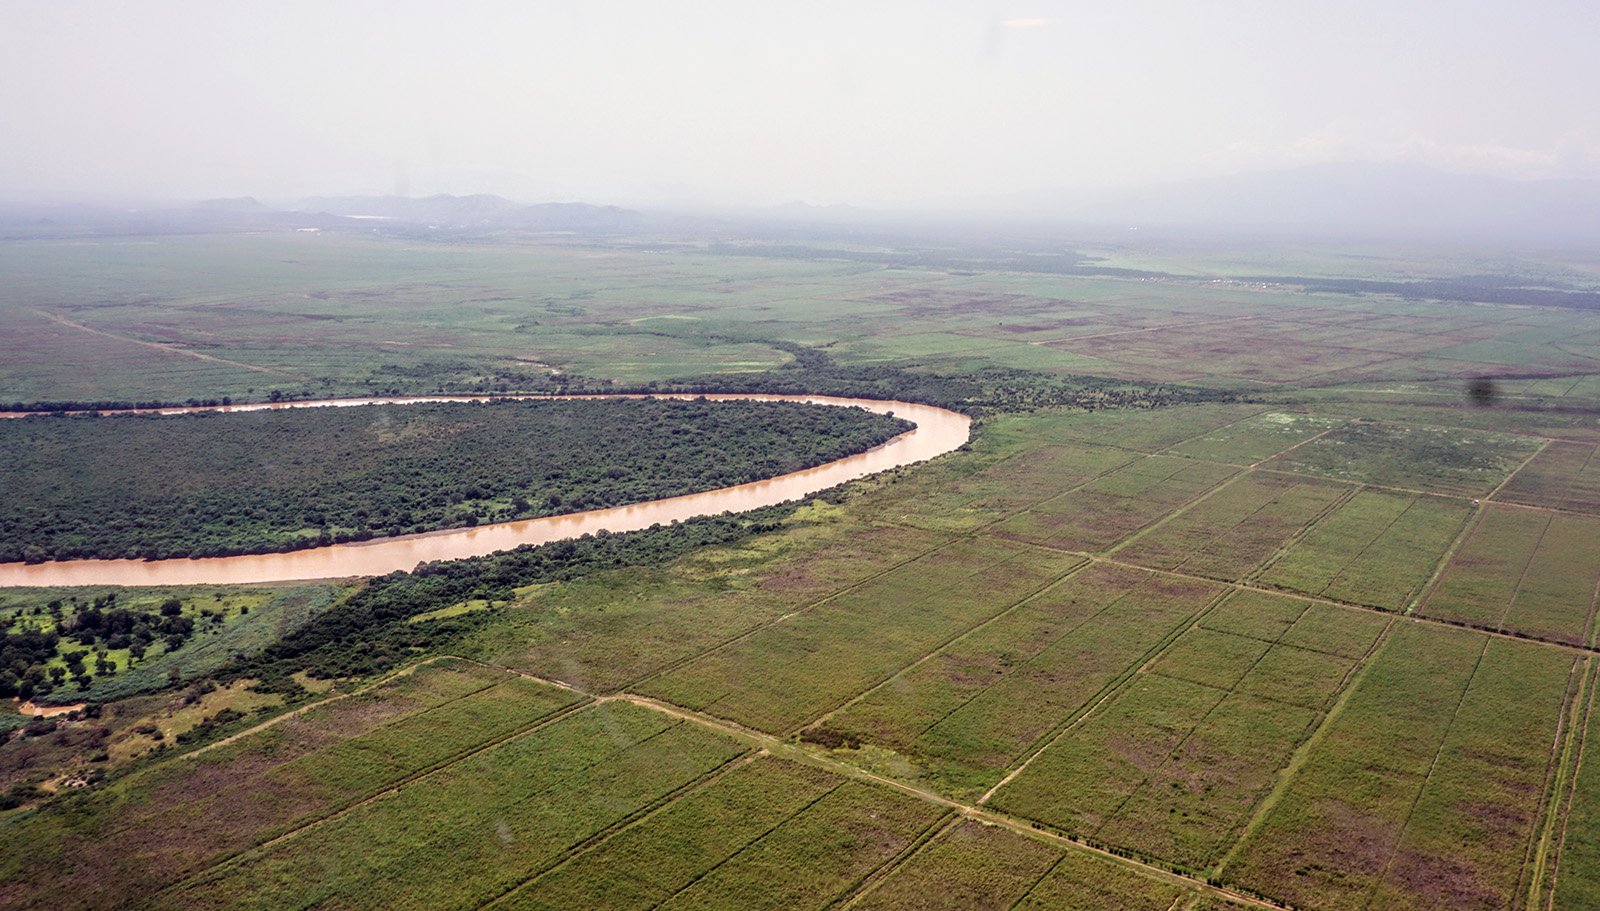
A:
(895, 104)
(887, 456)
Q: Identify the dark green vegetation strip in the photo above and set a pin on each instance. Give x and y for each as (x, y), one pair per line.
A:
(149, 486)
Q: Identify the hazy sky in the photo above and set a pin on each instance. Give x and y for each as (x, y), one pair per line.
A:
(864, 102)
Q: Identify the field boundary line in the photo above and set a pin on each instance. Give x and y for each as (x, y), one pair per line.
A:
(1300, 534)
(1342, 423)
(656, 806)
(1019, 605)
(1184, 508)
(387, 791)
(166, 347)
(787, 750)
(1104, 695)
(1581, 734)
(1025, 598)
(876, 878)
(1516, 590)
(1416, 799)
(799, 609)
(738, 762)
(1535, 850)
(339, 697)
(1348, 605)
(1202, 494)
(1518, 470)
(882, 871)
(1167, 759)
(1286, 775)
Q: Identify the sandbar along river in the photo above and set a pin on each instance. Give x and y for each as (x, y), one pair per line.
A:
(937, 431)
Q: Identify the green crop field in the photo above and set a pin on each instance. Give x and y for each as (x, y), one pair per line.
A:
(1234, 599)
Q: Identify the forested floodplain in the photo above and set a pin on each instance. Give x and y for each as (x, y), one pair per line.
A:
(200, 485)
(1236, 597)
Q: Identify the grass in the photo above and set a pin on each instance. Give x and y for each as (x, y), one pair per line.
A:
(186, 815)
(965, 714)
(1108, 509)
(1565, 475)
(1423, 792)
(1228, 534)
(1377, 549)
(1434, 460)
(786, 674)
(507, 812)
(1524, 571)
(1171, 766)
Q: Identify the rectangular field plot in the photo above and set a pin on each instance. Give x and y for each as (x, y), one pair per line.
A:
(1454, 462)
(970, 865)
(1114, 506)
(1563, 476)
(788, 673)
(1524, 571)
(935, 500)
(1256, 438)
(1424, 790)
(1231, 531)
(184, 815)
(1144, 431)
(1377, 549)
(972, 709)
(582, 633)
(505, 814)
(1577, 864)
(1173, 765)
(768, 834)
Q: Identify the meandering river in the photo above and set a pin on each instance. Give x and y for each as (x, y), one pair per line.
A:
(937, 431)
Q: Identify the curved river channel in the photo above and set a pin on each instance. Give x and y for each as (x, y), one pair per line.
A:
(938, 431)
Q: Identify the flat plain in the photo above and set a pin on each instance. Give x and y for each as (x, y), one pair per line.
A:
(1317, 633)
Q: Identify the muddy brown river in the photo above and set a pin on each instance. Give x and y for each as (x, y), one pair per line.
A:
(937, 431)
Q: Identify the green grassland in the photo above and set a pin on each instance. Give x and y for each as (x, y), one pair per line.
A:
(1115, 653)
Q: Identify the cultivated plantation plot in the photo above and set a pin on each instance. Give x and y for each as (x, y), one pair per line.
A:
(186, 816)
(1525, 571)
(1378, 548)
(1429, 459)
(1171, 766)
(1564, 475)
(582, 633)
(1230, 532)
(505, 813)
(788, 673)
(1256, 438)
(1111, 507)
(971, 709)
(1423, 791)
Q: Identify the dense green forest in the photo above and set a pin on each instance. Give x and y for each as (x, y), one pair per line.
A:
(146, 486)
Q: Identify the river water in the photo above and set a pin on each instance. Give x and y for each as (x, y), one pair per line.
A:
(937, 431)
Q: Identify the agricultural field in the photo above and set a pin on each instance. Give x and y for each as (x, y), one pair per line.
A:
(1230, 532)
(1106, 510)
(1171, 764)
(1564, 475)
(1233, 600)
(1423, 792)
(1378, 548)
(1420, 459)
(1528, 572)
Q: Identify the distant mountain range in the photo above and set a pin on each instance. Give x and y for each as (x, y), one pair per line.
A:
(478, 212)
(445, 214)
(1382, 202)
